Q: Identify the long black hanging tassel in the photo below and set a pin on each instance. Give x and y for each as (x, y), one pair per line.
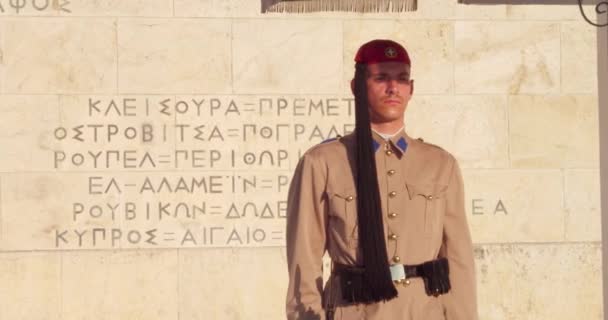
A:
(376, 275)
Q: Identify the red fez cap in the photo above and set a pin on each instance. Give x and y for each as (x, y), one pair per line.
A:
(381, 50)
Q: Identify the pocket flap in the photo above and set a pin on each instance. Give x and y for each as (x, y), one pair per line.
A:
(429, 191)
(348, 194)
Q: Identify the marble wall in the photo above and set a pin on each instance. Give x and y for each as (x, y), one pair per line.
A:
(147, 147)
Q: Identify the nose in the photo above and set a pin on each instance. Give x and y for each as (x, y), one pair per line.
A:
(391, 87)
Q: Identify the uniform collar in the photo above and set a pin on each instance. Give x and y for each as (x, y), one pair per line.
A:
(400, 140)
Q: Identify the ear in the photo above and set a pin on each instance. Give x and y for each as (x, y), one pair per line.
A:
(352, 86)
(412, 87)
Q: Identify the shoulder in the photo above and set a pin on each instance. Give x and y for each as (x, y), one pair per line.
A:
(336, 138)
(325, 153)
(319, 158)
(433, 151)
(432, 148)
(436, 159)
(326, 147)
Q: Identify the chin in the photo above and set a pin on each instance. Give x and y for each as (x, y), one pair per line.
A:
(386, 119)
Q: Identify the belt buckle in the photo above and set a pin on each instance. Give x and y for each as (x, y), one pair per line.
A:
(397, 273)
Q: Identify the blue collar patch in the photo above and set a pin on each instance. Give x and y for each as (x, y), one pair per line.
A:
(375, 144)
(402, 144)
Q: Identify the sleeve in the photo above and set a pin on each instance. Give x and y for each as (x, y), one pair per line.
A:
(461, 301)
(305, 234)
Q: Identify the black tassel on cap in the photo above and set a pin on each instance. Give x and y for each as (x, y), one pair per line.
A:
(372, 241)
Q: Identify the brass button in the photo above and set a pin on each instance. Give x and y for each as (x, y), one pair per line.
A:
(389, 152)
(390, 172)
(406, 282)
(398, 281)
(349, 198)
(396, 259)
(392, 215)
(392, 194)
(392, 236)
(430, 197)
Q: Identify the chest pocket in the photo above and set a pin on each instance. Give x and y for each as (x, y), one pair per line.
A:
(343, 211)
(428, 202)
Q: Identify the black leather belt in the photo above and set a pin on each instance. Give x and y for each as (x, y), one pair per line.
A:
(435, 274)
(413, 271)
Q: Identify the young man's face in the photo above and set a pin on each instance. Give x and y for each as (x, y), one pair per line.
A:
(389, 90)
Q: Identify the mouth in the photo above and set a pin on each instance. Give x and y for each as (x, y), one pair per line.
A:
(392, 101)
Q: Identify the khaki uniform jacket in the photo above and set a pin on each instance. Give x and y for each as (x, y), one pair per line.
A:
(422, 199)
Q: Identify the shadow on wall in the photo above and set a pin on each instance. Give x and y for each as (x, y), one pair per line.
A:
(601, 6)
(305, 6)
(536, 2)
(267, 4)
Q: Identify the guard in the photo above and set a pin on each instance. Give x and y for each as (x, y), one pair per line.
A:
(389, 210)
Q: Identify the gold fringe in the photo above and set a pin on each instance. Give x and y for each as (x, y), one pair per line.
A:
(301, 6)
